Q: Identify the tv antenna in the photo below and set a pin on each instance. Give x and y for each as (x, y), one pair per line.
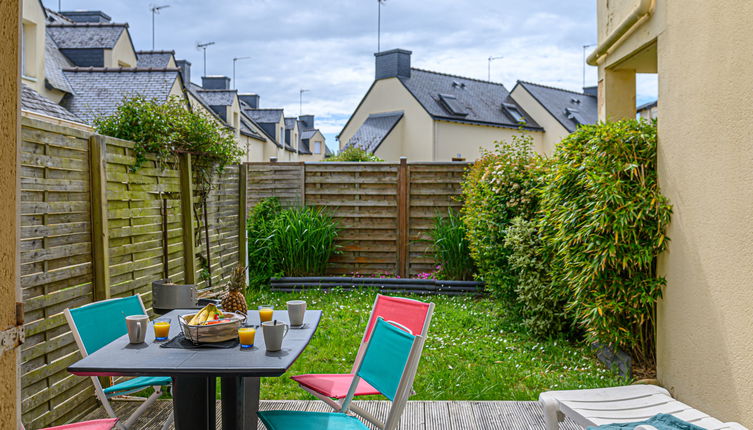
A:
(155, 11)
(204, 46)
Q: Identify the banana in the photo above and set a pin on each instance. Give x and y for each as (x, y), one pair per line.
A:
(197, 318)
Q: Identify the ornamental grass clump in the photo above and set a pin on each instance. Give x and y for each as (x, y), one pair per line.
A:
(302, 242)
(451, 248)
(605, 219)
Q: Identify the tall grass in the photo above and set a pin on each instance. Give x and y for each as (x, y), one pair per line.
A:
(451, 247)
(288, 242)
(303, 241)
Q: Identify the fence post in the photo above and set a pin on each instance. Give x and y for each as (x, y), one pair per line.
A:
(403, 180)
(100, 231)
(186, 212)
(242, 215)
(303, 184)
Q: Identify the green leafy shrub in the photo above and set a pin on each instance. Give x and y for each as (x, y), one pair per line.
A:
(450, 246)
(354, 154)
(542, 300)
(500, 186)
(605, 219)
(260, 228)
(288, 242)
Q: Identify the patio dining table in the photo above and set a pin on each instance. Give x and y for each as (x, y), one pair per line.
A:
(194, 371)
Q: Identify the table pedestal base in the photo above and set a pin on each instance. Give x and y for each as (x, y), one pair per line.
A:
(194, 403)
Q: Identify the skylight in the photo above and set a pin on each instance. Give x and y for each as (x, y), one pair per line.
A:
(452, 105)
(514, 112)
(574, 115)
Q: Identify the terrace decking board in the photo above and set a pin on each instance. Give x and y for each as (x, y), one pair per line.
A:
(418, 415)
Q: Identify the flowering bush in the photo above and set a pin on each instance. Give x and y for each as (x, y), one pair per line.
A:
(499, 187)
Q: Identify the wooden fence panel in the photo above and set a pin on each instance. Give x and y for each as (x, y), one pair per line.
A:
(281, 180)
(434, 189)
(56, 269)
(143, 206)
(223, 208)
(362, 198)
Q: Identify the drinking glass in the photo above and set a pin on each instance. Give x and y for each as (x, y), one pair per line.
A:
(246, 336)
(161, 328)
(266, 312)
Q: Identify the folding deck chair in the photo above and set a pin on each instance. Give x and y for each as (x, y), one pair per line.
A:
(97, 324)
(631, 403)
(388, 364)
(412, 315)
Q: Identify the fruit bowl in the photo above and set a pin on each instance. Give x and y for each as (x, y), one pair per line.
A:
(214, 331)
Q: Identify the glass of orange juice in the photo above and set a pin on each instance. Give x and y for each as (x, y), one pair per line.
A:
(246, 336)
(161, 328)
(265, 312)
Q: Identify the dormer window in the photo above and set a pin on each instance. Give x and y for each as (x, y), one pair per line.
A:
(452, 105)
(514, 112)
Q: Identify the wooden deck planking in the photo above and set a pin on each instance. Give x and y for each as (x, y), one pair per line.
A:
(418, 415)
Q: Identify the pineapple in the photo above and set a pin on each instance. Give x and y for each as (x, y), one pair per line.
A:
(235, 301)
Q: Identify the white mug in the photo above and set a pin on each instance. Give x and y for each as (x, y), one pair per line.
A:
(274, 332)
(296, 312)
(136, 325)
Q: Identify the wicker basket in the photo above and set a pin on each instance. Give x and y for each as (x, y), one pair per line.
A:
(214, 332)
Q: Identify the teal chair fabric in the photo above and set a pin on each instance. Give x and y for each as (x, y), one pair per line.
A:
(102, 322)
(385, 357)
(296, 420)
(660, 421)
(137, 384)
(383, 365)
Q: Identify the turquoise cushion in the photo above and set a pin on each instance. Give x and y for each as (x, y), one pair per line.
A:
(660, 421)
(137, 383)
(296, 420)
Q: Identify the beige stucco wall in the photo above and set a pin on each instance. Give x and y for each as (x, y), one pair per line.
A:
(34, 22)
(318, 137)
(122, 54)
(391, 148)
(10, 18)
(705, 323)
(388, 95)
(469, 140)
(554, 131)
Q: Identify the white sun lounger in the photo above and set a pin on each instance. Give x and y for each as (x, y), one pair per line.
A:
(626, 404)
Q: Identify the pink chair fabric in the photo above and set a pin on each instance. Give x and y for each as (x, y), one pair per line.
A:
(105, 424)
(334, 385)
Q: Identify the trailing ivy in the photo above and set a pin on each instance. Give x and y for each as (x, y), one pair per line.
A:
(605, 219)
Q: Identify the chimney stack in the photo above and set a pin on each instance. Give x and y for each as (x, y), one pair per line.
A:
(215, 82)
(591, 91)
(394, 63)
(96, 16)
(252, 100)
(307, 120)
(185, 71)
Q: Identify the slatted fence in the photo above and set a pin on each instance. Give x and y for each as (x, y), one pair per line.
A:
(384, 210)
(92, 228)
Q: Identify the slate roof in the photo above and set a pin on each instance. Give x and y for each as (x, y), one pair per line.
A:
(648, 105)
(56, 18)
(264, 115)
(570, 108)
(158, 59)
(372, 132)
(35, 102)
(54, 63)
(218, 97)
(86, 35)
(482, 101)
(99, 90)
(248, 129)
(308, 134)
(290, 123)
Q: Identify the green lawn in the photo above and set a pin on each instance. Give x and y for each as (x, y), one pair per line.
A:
(471, 353)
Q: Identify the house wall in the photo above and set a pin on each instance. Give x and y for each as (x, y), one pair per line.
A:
(468, 140)
(389, 95)
(705, 155)
(34, 36)
(554, 131)
(122, 54)
(318, 137)
(10, 20)
(391, 147)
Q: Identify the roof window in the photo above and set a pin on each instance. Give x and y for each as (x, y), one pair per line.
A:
(574, 115)
(451, 105)
(514, 112)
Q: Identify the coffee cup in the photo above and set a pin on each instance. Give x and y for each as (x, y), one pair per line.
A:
(274, 332)
(296, 312)
(137, 325)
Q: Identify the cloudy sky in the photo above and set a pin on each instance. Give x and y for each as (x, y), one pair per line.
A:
(327, 46)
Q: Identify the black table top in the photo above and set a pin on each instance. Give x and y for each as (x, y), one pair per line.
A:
(147, 359)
